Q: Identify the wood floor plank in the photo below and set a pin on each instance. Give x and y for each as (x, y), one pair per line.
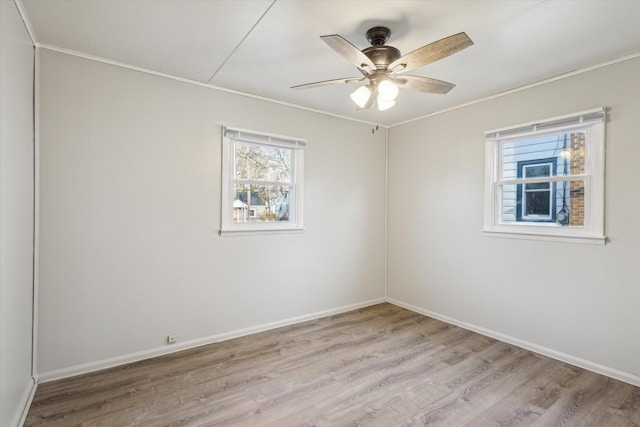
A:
(377, 366)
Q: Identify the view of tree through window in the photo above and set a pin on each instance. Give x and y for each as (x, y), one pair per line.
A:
(263, 182)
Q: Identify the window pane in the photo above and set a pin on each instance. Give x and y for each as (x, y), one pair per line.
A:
(262, 163)
(575, 204)
(537, 186)
(537, 171)
(564, 152)
(261, 203)
(562, 203)
(537, 203)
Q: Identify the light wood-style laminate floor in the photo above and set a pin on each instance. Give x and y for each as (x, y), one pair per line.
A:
(378, 366)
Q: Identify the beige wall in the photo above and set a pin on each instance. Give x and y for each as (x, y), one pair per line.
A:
(130, 210)
(572, 301)
(16, 214)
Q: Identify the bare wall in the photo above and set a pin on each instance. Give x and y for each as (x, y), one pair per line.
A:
(16, 214)
(576, 301)
(130, 210)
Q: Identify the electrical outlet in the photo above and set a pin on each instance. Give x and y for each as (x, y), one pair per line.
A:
(171, 339)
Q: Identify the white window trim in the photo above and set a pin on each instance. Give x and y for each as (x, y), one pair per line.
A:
(591, 121)
(227, 226)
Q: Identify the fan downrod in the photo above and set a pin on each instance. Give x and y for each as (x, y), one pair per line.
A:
(378, 36)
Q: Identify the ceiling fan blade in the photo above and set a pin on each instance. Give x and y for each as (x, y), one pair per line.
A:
(431, 53)
(349, 52)
(329, 82)
(424, 84)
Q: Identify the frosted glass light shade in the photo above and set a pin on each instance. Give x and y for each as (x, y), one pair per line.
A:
(387, 90)
(361, 96)
(385, 105)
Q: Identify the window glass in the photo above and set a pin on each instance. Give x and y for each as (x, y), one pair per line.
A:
(261, 203)
(566, 148)
(262, 163)
(566, 208)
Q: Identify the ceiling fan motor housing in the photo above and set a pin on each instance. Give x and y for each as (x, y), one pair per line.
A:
(380, 54)
(378, 36)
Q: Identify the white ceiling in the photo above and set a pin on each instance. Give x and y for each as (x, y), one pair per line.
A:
(263, 47)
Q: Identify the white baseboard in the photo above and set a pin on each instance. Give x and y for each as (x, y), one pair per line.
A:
(147, 354)
(25, 403)
(563, 357)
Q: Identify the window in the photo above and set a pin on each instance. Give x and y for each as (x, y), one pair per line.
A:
(535, 201)
(545, 180)
(261, 182)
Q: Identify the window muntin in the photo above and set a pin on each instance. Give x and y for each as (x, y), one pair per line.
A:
(262, 182)
(547, 178)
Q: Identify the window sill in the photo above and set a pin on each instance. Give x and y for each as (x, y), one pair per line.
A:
(262, 231)
(540, 236)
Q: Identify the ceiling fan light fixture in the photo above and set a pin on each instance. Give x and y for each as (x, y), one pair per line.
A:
(361, 96)
(387, 90)
(385, 104)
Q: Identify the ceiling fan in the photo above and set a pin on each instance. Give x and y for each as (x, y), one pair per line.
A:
(382, 67)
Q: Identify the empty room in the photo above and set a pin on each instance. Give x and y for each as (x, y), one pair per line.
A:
(319, 213)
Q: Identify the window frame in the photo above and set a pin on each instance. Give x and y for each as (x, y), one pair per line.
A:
(295, 223)
(522, 190)
(592, 123)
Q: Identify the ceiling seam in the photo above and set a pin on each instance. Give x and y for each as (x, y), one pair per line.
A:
(241, 42)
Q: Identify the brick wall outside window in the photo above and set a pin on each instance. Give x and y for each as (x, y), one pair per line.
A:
(576, 199)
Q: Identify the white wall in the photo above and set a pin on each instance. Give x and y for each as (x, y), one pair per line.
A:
(16, 214)
(578, 302)
(129, 250)
(130, 209)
